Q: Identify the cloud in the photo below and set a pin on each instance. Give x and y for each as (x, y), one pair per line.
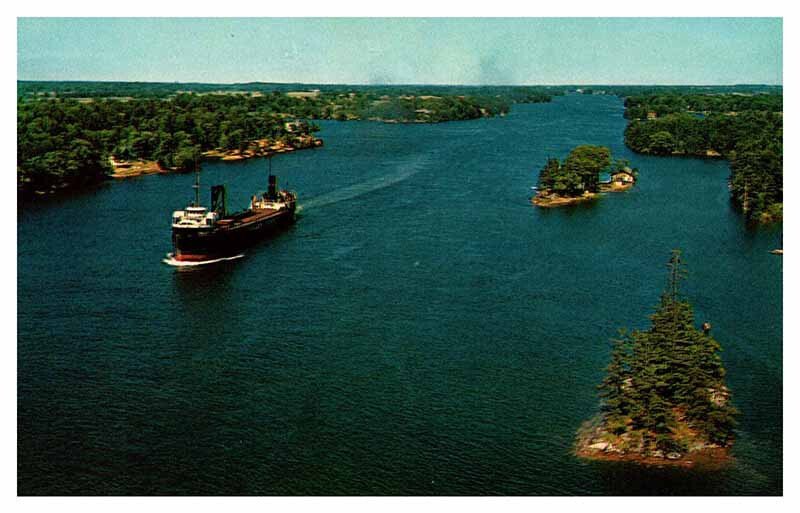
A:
(491, 71)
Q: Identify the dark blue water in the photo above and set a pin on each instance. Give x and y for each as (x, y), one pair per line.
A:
(422, 329)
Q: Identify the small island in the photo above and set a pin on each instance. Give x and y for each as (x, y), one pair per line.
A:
(664, 398)
(577, 179)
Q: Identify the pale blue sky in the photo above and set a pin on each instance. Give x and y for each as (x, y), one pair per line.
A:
(404, 50)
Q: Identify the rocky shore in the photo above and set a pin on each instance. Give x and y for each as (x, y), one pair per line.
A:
(548, 199)
(596, 442)
(265, 148)
(615, 186)
(257, 148)
(620, 182)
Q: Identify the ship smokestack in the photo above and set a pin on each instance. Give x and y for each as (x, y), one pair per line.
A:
(273, 186)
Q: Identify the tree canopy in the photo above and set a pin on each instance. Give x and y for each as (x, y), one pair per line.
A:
(579, 173)
(67, 130)
(746, 129)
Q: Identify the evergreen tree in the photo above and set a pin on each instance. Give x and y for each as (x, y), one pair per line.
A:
(668, 374)
(548, 174)
(616, 384)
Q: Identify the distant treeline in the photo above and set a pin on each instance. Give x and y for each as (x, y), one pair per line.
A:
(637, 107)
(87, 89)
(747, 130)
(407, 103)
(625, 91)
(67, 130)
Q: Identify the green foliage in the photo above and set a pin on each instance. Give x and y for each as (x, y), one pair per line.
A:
(638, 106)
(757, 180)
(662, 143)
(66, 143)
(587, 162)
(616, 424)
(89, 89)
(67, 130)
(746, 129)
(549, 173)
(615, 387)
(579, 172)
(620, 165)
(186, 157)
(672, 367)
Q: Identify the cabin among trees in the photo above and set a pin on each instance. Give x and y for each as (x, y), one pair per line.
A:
(623, 176)
(579, 173)
(578, 177)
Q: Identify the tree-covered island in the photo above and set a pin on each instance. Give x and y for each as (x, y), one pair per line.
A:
(745, 128)
(664, 398)
(577, 178)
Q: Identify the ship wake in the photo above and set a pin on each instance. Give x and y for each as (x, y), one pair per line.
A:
(170, 260)
(359, 189)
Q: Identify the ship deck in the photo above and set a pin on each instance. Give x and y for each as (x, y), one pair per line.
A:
(247, 217)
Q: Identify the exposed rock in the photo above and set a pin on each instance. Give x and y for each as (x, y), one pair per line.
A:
(548, 199)
(599, 446)
(673, 455)
(719, 396)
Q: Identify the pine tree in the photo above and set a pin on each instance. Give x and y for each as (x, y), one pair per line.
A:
(648, 368)
(548, 174)
(672, 372)
(614, 389)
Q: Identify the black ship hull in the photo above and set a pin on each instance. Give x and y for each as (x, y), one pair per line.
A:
(229, 237)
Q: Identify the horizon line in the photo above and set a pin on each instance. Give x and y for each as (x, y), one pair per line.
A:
(564, 84)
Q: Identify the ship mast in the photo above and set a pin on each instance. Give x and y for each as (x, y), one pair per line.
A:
(196, 185)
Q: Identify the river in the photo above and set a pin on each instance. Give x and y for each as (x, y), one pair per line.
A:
(422, 329)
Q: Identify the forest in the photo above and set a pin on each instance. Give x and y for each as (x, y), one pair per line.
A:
(746, 130)
(66, 143)
(66, 131)
(91, 89)
(664, 389)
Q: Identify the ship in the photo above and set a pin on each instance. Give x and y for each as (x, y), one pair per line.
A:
(201, 234)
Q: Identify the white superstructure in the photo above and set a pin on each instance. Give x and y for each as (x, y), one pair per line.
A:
(194, 217)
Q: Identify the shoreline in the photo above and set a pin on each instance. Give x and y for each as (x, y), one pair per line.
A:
(596, 442)
(711, 457)
(257, 148)
(616, 187)
(550, 200)
(702, 154)
(546, 199)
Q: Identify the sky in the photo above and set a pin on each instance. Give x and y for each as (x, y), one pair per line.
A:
(404, 50)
